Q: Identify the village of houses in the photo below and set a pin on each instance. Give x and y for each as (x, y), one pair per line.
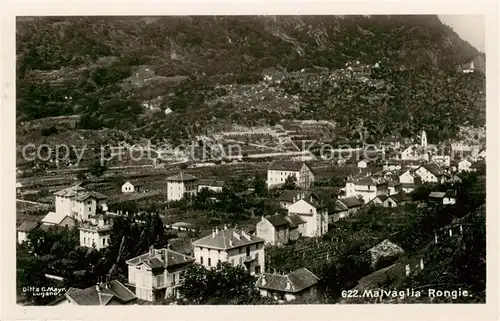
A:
(389, 186)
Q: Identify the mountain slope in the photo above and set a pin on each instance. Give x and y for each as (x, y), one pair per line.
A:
(104, 68)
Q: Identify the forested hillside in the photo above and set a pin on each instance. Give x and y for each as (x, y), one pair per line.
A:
(389, 75)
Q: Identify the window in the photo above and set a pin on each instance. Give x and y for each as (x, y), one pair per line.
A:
(84, 240)
(240, 250)
(256, 256)
(209, 261)
(173, 276)
(248, 250)
(201, 259)
(257, 269)
(218, 261)
(103, 242)
(241, 260)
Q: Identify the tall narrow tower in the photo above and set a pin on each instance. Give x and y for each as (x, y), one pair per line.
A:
(423, 139)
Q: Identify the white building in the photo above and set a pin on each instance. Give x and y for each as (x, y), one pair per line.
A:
(231, 245)
(300, 283)
(464, 165)
(392, 165)
(79, 203)
(314, 214)
(442, 160)
(210, 184)
(55, 219)
(160, 269)
(429, 174)
(96, 233)
(288, 197)
(131, 187)
(24, 229)
(366, 187)
(279, 171)
(180, 185)
(364, 163)
(450, 198)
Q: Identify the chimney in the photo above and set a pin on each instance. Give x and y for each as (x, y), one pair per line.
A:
(216, 230)
(164, 256)
(225, 226)
(231, 242)
(213, 232)
(151, 250)
(288, 284)
(263, 279)
(421, 263)
(98, 288)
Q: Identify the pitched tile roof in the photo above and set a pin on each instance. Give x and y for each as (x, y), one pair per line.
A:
(182, 224)
(227, 239)
(382, 197)
(294, 220)
(277, 220)
(351, 202)
(287, 166)
(181, 177)
(313, 203)
(288, 195)
(386, 247)
(85, 195)
(79, 193)
(400, 197)
(54, 218)
(134, 183)
(434, 169)
(409, 185)
(113, 290)
(437, 194)
(28, 226)
(293, 282)
(70, 191)
(161, 258)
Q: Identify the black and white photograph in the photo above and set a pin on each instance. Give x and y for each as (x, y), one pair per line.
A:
(250, 160)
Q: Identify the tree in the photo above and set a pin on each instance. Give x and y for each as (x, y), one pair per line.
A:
(222, 284)
(97, 169)
(259, 185)
(290, 183)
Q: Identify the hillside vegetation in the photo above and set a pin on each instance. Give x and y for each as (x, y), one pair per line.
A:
(374, 76)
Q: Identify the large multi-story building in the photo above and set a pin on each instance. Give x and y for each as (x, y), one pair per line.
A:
(314, 214)
(279, 171)
(96, 232)
(79, 203)
(231, 245)
(279, 229)
(159, 269)
(181, 185)
(366, 187)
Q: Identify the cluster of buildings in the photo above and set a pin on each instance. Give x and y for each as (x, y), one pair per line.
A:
(75, 206)
(161, 271)
(178, 186)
